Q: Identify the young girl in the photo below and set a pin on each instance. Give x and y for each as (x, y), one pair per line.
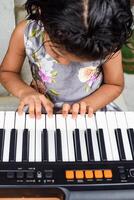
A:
(73, 47)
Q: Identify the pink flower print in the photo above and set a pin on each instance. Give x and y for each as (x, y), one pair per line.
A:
(86, 74)
(45, 77)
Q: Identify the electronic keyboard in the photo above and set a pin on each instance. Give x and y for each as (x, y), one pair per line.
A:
(65, 156)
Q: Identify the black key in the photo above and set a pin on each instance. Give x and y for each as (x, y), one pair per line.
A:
(130, 132)
(2, 136)
(25, 146)
(13, 144)
(44, 139)
(89, 144)
(77, 149)
(101, 143)
(58, 145)
(120, 145)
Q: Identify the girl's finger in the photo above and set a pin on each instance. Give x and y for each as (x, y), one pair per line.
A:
(65, 109)
(49, 109)
(82, 108)
(32, 109)
(75, 110)
(21, 107)
(38, 108)
(90, 111)
(48, 105)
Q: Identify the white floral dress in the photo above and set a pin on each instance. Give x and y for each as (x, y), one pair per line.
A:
(61, 83)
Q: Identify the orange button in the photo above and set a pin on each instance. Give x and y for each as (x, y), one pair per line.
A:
(89, 174)
(98, 174)
(108, 173)
(69, 174)
(79, 174)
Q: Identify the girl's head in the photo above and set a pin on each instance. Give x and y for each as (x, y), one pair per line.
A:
(88, 29)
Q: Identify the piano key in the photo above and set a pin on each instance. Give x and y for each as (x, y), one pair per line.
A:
(50, 126)
(112, 125)
(120, 144)
(89, 144)
(83, 146)
(2, 135)
(122, 124)
(102, 124)
(130, 124)
(81, 122)
(129, 115)
(91, 124)
(2, 119)
(100, 136)
(71, 126)
(44, 139)
(25, 144)
(61, 124)
(8, 125)
(19, 126)
(40, 125)
(76, 136)
(30, 125)
(58, 145)
(13, 144)
(130, 132)
(81, 125)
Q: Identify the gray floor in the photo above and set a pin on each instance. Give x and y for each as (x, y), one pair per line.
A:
(128, 93)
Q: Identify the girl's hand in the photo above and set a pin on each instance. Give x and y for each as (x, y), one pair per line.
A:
(35, 101)
(77, 108)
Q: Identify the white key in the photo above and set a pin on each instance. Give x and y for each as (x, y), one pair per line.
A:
(91, 124)
(130, 119)
(81, 125)
(122, 124)
(102, 123)
(61, 124)
(2, 119)
(112, 125)
(50, 126)
(40, 125)
(19, 125)
(30, 125)
(9, 124)
(71, 126)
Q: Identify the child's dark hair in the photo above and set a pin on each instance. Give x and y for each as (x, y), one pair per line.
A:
(86, 28)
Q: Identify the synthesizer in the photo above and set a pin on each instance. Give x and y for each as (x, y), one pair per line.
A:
(65, 154)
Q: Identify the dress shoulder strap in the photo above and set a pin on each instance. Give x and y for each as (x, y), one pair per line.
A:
(33, 36)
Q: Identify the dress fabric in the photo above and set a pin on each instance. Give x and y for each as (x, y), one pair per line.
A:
(61, 83)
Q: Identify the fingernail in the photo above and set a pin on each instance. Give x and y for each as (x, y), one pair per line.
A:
(38, 116)
(90, 115)
(74, 116)
(50, 115)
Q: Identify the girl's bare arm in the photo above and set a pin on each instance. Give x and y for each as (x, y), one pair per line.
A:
(10, 76)
(11, 66)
